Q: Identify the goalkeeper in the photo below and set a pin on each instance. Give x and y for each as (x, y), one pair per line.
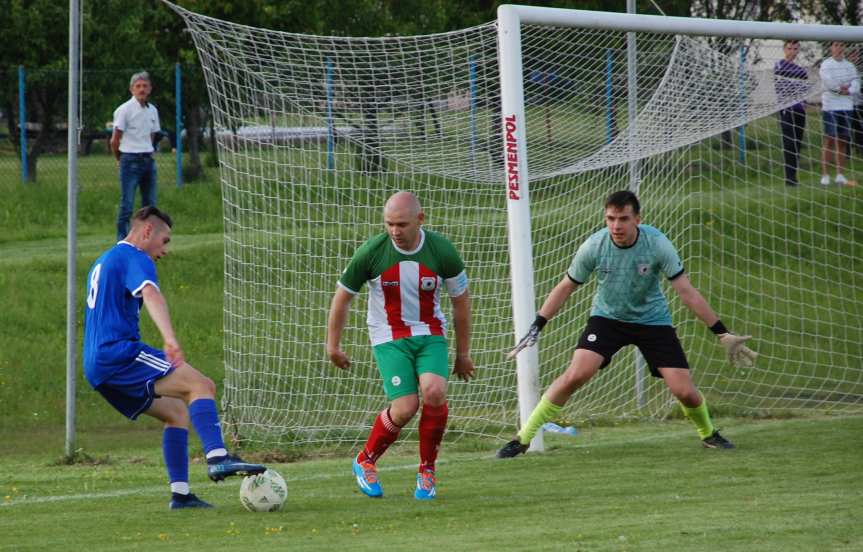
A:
(628, 309)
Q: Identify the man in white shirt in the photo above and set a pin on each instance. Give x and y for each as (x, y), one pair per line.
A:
(135, 124)
(841, 84)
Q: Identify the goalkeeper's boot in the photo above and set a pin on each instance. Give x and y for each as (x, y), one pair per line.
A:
(180, 501)
(367, 478)
(220, 467)
(717, 441)
(512, 449)
(426, 481)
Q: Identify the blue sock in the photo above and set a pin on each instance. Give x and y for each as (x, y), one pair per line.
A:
(175, 449)
(205, 419)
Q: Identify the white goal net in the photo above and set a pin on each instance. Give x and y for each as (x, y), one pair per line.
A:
(314, 133)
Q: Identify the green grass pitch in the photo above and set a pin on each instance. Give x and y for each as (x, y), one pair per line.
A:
(793, 483)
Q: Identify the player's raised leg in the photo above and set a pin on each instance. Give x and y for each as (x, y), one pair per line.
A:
(694, 406)
(582, 368)
(175, 450)
(198, 392)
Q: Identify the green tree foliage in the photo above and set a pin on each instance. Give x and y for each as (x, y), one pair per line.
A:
(35, 35)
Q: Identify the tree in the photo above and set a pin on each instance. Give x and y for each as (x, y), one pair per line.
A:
(833, 12)
(33, 38)
(36, 35)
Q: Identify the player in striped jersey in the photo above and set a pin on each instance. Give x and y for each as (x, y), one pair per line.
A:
(138, 379)
(406, 267)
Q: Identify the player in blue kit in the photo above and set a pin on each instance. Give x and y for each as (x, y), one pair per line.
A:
(628, 309)
(138, 379)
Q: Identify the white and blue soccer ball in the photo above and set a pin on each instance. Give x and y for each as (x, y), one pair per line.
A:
(265, 492)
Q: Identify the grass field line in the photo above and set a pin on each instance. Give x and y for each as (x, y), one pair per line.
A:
(88, 247)
(659, 436)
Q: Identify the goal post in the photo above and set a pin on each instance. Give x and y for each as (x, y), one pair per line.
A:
(518, 210)
(510, 20)
(512, 133)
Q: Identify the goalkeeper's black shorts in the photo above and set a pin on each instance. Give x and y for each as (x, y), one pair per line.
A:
(658, 344)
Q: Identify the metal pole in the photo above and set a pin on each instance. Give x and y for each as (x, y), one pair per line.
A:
(609, 95)
(22, 121)
(71, 221)
(473, 94)
(178, 125)
(741, 132)
(634, 176)
(331, 124)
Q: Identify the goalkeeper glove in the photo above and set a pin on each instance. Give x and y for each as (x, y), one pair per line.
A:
(739, 354)
(530, 338)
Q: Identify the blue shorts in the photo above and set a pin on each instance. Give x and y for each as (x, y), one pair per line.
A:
(131, 390)
(837, 123)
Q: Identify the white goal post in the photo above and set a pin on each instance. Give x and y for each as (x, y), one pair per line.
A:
(512, 133)
(510, 19)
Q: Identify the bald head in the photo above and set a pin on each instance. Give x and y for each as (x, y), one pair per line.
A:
(403, 217)
(403, 201)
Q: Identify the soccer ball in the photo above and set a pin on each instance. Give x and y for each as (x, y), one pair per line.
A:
(265, 492)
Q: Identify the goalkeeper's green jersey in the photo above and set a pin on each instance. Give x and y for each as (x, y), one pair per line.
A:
(628, 277)
(404, 286)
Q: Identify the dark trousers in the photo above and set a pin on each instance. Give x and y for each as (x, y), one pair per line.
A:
(856, 130)
(137, 170)
(792, 122)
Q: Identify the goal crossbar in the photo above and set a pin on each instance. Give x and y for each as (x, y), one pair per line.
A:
(692, 26)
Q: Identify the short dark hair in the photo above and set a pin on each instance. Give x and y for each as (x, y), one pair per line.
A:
(144, 213)
(621, 199)
(790, 41)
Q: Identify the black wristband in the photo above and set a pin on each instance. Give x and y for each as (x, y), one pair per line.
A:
(719, 328)
(540, 321)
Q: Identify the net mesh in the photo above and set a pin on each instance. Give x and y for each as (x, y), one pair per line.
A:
(315, 133)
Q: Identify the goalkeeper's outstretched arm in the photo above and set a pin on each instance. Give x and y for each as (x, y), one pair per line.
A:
(738, 353)
(552, 305)
(557, 298)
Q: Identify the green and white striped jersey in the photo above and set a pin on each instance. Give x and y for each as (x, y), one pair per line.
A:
(404, 286)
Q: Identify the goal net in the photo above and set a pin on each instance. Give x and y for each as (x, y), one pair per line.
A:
(314, 133)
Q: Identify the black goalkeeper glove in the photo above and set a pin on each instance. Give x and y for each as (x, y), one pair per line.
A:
(530, 338)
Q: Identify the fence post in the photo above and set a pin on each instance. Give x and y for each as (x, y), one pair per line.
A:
(178, 125)
(472, 72)
(609, 95)
(331, 125)
(22, 123)
(741, 132)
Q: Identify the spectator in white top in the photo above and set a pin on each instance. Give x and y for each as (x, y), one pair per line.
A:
(841, 84)
(135, 124)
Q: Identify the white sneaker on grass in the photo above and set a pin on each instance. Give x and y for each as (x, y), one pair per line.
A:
(825, 179)
(841, 180)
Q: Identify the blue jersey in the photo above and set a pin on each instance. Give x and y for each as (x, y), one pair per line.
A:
(112, 339)
(628, 288)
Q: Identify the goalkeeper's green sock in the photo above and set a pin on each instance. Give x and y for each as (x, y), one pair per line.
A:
(700, 416)
(544, 412)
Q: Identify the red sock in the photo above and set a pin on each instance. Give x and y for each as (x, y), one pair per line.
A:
(384, 433)
(432, 427)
